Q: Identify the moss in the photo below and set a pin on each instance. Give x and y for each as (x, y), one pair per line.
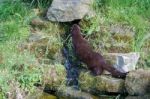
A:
(84, 78)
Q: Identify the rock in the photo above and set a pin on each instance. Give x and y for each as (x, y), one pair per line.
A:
(101, 83)
(38, 22)
(138, 82)
(122, 38)
(34, 37)
(54, 76)
(42, 45)
(69, 10)
(44, 42)
(69, 93)
(88, 83)
(109, 84)
(120, 48)
(122, 30)
(138, 97)
(124, 62)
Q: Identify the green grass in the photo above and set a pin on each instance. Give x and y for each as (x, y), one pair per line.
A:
(16, 67)
(12, 10)
(19, 66)
(12, 30)
(21, 69)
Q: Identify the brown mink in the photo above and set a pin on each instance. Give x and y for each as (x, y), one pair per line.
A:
(94, 61)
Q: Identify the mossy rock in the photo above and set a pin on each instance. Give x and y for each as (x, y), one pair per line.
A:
(138, 82)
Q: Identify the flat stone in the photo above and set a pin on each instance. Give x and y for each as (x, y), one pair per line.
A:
(102, 83)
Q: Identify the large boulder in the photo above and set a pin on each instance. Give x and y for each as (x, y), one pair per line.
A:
(69, 10)
(138, 82)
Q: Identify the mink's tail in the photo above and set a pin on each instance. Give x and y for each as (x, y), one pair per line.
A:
(114, 72)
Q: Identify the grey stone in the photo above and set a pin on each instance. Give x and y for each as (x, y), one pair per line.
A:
(69, 10)
(125, 62)
(138, 82)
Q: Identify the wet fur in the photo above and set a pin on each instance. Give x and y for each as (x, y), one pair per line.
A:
(94, 61)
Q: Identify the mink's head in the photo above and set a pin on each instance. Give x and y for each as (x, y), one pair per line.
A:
(75, 29)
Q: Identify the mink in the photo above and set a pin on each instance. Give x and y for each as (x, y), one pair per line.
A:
(94, 61)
